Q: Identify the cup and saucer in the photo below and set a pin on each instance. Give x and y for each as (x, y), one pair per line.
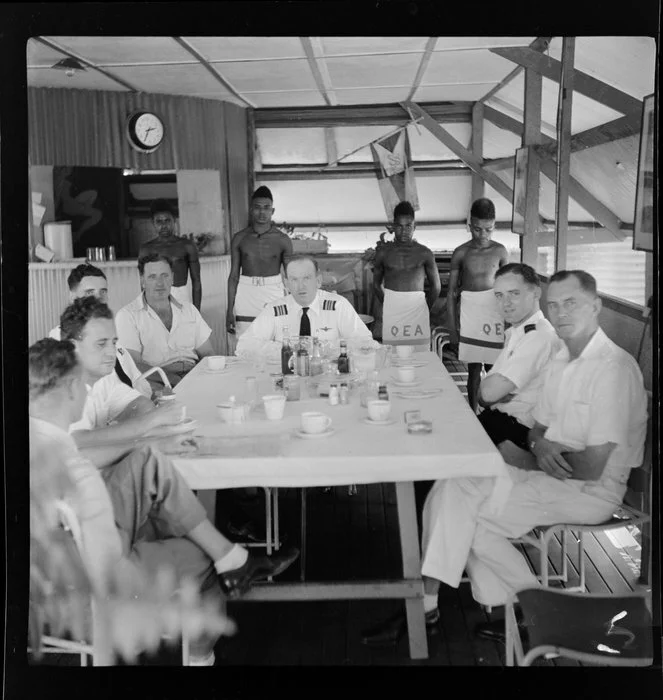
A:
(400, 383)
(314, 425)
(378, 413)
(215, 364)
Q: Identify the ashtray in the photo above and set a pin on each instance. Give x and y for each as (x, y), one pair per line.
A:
(420, 427)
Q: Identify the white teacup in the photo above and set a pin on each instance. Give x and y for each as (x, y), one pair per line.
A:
(232, 412)
(405, 373)
(314, 422)
(404, 351)
(378, 409)
(274, 406)
(216, 362)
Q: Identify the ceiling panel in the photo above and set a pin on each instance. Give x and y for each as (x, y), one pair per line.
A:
(466, 67)
(484, 42)
(122, 50)
(291, 98)
(514, 91)
(177, 80)
(498, 143)
(273, 76)
(379, 71)
(291, 146)
(452, 93)
(425, 146)
(367, 96)
(86, 80)
(372, 44)
(237, 48)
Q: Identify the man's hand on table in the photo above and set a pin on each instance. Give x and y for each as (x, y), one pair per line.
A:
(167, 415)
(549, 458)
(176, 444)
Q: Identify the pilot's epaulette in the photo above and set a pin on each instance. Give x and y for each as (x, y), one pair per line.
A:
(530, 327)
(329, 305)
(280, 310)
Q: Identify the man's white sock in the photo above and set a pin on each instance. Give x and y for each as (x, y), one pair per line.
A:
(430, 602)
(235, 558)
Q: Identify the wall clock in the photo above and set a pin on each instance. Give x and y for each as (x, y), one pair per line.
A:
(145, 131)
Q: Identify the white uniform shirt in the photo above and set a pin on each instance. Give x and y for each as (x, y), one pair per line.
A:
(528, 349)
(332, 318)
(102, 547)
(106, 399)
(599, 397)
(139, 328)
(127, 363)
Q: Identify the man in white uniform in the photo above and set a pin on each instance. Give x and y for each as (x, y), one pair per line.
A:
(89, 281)
(307, 310)
(158, 330)
(589, 432)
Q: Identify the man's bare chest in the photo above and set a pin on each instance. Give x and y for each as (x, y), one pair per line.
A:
(262, 247)
(404, 259)
(173, 249)
(481, 261)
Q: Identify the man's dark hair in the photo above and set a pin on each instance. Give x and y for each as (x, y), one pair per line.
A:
(483, 208)
(76, 316)
(299, 258)
(403, 209)
(262, 191)
(153, 257)
(587, 281)
(527, 272)
(80, 271)
(49, 363)
(162, 205)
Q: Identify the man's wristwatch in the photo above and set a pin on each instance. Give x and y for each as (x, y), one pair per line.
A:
(532, 443)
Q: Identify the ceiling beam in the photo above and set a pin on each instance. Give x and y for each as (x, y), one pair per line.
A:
(500, 163)
(423, 64)
(356, 171)
(477, 149)
(541, 43)
(583, 83)
(213, 71)
(356, 115)
(521, 113)
(316, 61)
(53, 45)
(475, 164)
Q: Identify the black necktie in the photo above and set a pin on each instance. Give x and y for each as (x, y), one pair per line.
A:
(305, 324)
(122, 374)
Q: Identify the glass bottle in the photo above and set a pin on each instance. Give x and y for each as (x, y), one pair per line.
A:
(383, 395)
(302, 362)
(286, 352)
(315, 365)
(343, 394)
(343, 359)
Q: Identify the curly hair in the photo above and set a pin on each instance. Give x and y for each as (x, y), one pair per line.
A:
(483, 208)
(75, 317)
(49, 363)
(403, 209)
(153, 257)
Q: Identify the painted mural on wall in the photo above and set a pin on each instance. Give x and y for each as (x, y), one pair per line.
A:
(91, 198)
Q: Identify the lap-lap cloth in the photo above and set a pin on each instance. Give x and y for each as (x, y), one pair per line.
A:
(252, 295)
(405, 318)
(481, 327)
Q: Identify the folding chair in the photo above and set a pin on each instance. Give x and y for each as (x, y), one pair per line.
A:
(612, 630)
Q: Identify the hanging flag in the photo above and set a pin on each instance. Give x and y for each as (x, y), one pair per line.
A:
(394, 171)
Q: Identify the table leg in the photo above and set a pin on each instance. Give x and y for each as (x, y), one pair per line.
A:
(414, 607)
(302, 553)
(207, 498)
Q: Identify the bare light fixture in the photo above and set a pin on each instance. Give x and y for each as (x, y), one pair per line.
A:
(69, 65)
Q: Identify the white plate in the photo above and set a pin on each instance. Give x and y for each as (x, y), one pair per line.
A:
(425, 394)
(370, 421)
(408, 363)
(397, 382)
(308, 436)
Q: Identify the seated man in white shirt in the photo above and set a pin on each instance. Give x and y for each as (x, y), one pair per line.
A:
(158, 330)
(589, 432)
(306, 311)
(138, 508)
(89, 281)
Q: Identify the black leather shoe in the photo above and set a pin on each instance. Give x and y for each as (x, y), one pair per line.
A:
(257, 568)
(496, 630)
(246, 532)
(391, 631)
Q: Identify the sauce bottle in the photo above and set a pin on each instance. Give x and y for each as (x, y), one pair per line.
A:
(286, 352)
(343, 359)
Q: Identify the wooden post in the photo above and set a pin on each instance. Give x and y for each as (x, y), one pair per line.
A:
(477, 149)
(531, 137)
(564, 107)
(251, 146)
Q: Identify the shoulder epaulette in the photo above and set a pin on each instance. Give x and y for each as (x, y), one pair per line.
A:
(280, 310)
(329, 305)
(530, 327)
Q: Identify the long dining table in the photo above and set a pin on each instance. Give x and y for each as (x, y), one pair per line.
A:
(263, 453)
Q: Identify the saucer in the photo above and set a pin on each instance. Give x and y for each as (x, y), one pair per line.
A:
(398, 382)
(408, 363)
(370, 421)
(207, 370)
(307, 436)
(421, 394)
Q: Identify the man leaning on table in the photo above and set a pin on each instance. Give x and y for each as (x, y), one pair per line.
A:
(589, 432)
(157, 329)
(307, 310)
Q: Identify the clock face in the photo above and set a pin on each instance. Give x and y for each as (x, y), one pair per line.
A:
(145, 131)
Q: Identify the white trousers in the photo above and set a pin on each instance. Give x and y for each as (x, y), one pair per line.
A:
(460, 534)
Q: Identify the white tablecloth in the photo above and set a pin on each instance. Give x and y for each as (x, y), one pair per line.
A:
(260, 452)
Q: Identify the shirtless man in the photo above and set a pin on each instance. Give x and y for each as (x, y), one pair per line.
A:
(403, 266)
(181, 251)
(473, 266)
(258, 251)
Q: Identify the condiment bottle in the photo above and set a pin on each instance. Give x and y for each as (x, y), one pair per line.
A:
(343, 394)
(343, 359)
(382, 393)
(302, 362)
(333, 395)
(286, 352)
(315, 364)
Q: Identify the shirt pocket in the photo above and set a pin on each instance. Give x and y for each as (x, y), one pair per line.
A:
(185, 336)
(575, 425)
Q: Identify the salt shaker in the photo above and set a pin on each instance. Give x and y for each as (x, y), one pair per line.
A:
(343, 394)
(333, 395)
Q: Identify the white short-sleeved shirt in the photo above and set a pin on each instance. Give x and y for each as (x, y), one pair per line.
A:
(528, 349)
(102, 546)
(139, 328)
(332, 318)
(597, 398)
(106, 399)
